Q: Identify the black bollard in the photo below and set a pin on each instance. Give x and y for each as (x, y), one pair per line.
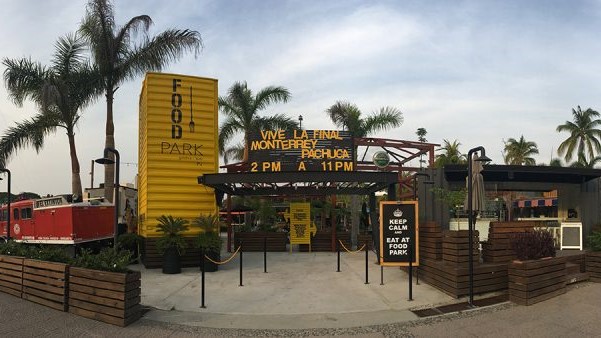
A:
(265, 254)
(410, 272)
(366, 264)
(202, 279)
(417, 275)
(241, 265)
(338, 250)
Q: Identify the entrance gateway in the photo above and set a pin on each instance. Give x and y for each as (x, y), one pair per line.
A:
(318, 163)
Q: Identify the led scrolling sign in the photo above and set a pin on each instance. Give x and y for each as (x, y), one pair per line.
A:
(301, 150)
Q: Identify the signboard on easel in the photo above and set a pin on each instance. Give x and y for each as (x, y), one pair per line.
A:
(301, 227)
(399, 233)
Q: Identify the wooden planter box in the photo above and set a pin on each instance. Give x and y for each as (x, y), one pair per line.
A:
(253, 241)
(593, 265)
(534, 281)
(110, 297)
(363, 238)
(11, 275)
(430, 241)
(322, 241)
(455, 247)
(46, 283)
(152, 258)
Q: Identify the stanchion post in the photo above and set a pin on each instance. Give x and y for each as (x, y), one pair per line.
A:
(338, 252)
(265, 254)
(417, 275)
(202, 278)
(366, 264)
(410, 271)
(241, 251)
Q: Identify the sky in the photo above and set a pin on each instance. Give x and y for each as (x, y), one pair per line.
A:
(479, 72)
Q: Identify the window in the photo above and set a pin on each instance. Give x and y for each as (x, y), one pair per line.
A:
(26, 213)
(2, 215)
(15, 214)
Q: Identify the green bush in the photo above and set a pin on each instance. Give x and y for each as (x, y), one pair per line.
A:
(109, 259)
(50, 253)
(12, 248)
(209, 238)
(129, 241)
(172, 229)
(533, 245)
(594, 241)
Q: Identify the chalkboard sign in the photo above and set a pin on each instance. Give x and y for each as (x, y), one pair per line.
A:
(398, 233)
(571, 235)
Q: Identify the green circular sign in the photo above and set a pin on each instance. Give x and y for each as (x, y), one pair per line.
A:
(381, 159)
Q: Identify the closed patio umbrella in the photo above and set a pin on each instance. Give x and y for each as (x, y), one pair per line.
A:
(478, 195)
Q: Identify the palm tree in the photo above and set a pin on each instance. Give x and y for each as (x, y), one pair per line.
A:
(241, 109)
(584, 134)
(584, 163)
(119, 58)
(60, 92)
(520, 152)
(421, 136)
(450, 155)
(347, 116)
(555, 162)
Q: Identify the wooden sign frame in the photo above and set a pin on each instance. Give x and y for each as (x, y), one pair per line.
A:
(396, 230)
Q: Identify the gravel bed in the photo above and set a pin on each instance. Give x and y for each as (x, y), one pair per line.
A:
(386, 330)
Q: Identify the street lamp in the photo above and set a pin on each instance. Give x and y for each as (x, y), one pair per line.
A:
(106, 160)
(470, 216)
(300, 122)
(4, 170)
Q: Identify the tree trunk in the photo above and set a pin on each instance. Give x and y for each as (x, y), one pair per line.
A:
(76, 188)
(109, 169)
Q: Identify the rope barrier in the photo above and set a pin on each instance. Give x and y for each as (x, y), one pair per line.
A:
(347, 250)
(225, 261)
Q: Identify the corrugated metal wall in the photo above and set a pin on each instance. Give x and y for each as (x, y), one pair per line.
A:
(177, 143)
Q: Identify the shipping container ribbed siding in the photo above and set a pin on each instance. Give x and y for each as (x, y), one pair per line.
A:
(178, 142)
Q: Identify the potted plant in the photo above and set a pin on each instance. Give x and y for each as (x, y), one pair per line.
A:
(264, 234)
(131, 242)
(593, 256)
(209, 240)
(172, 244)
(537, 275)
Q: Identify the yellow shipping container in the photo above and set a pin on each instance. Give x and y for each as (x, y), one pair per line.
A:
(178, 143)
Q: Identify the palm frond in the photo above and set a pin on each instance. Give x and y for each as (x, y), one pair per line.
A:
(387, 117)
(343, 113)
(227, 131)
(156, 53)
(269, 95)
(24, 79)
(132, 27)
(24, 134)
(235, 153)
(69, 54)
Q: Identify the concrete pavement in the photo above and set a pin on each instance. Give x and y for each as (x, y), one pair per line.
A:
(303, 295)
(300, 290)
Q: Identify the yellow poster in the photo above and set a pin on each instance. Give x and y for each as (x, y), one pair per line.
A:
(301, 227)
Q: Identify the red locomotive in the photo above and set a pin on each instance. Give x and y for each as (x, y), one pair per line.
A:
(55, 220)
